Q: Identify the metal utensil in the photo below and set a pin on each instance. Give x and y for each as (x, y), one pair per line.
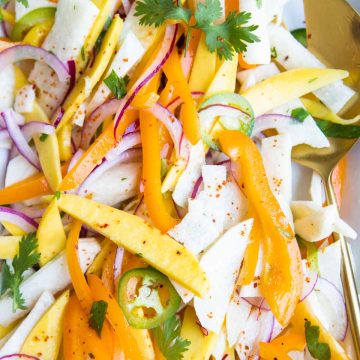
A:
(333, 28)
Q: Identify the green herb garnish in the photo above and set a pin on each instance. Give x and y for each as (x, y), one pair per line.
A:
(300, 114)
(320, 351)
(97, 315)
(43, 137)
(117, 84)
(331, 129)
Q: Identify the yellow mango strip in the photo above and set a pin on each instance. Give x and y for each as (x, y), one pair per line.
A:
(282, 276)
(92, 75)
(9, 247)
(224, 80)
(38, 33)
(13, 229)
(107, 274)
(135, 235)
(153, 197)
(7, 16)
(47, 149)
(289, 85)
(45, 338)
(105, 7)
(96, 266)
(303, 314)
(318, 110)
(64, 141)
(50, 234)
(204, 67)
(201, 345)
(189, 116)
(282, 345)
(6, 330)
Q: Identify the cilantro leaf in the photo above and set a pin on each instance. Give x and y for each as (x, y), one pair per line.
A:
(168, 338)
(259, 4)
(228, 37)
(155, 12)
(300, 114)
(117, 84)
(13, 277)
(43, 137)
(100, 38)
(337, 130)
(320, 351)
(97, 315)
(24, 2)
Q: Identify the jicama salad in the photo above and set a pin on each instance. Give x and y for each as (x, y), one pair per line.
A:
(150, 207)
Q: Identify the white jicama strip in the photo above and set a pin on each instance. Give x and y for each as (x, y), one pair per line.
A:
(251, 77)
(257, 52)
(53, 277)
(18, 169)
(130, 53)
(73, 22)
(18, 337)
(221, 264)
(274, 9)
(291, 54)
(4, 158)
(7, 83)
(321, 223)
(237, 314)
(204, 221)
(219, 350)
(21, 10)
(317, 189)
(24, 100)
(188, 178)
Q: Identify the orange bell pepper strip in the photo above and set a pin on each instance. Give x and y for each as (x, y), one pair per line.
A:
(95, 153)
(78, 280)
(116, 318)
(26, 189)
(153, 197)
(281, 346)
(189, 116)
(80, 340)
(251, 256)
(107, 275)
(231, 5)
(243, 64)
(282, 277)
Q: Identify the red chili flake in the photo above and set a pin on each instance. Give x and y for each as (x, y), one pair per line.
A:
(224, 357)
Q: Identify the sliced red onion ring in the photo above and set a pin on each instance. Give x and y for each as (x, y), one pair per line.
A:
(7, 28)
(72, 72)
(75, 159)
(18, 138)
(257, 302)
(59, 113)
(267, 321)
(164, 53)
(29, 52)
(310, 281)
(173, 125)
(271, 121)
(96, 118)
(196, 188)
(118, 263)
(18, 218)
(33, 212)
(172, 105)
(4, 160)
(127, 142)
(21, 356)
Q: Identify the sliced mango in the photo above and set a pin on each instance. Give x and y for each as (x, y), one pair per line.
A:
(50, 234)
(204, 67)
(201, 345)
(45, 338)
(4, 330)
(9, 246)
(64, 141)
(88, 81)
(135, 235)
(96, 266)
(13, 229)
(38, 33)
(224, 80)
(289, 85)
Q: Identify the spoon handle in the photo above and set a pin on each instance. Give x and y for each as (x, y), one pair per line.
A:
(347, 276)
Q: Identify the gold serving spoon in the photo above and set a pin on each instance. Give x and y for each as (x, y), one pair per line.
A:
(333, 29)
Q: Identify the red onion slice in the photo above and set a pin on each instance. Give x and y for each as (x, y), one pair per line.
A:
(257, 302)
(4, 160)
(33, 212)
(172, 105)
(164, 53)
(310, 281)
(29, 52)
(58, 115)
(173, 125)
(21, 356)
(196, 188)
(118, 263)
(18, 218)
(18, 138)
(72, 72)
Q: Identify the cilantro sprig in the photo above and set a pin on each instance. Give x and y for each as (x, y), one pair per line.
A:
(168, 338)
(97, 315)
(226, 38)
(320, 351)
(116, 84)
(13, 276)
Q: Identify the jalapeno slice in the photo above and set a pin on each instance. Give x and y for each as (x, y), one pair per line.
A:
(147, 298)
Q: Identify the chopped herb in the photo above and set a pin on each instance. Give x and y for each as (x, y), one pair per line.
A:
(43, 137)
(62, 214)
(12, 277)
(320, 351)
(226, 38)
(83, 55)
(57, 195)
(102, 34)
(300, 114)
(337, 130)
(117, 84)
(312, 80)
(168, 338)
(139, 255)
(97, 315)
(123, 179)
(311, 253)
(300, 36)
(259, 3)
(164, 168)
(273, 51)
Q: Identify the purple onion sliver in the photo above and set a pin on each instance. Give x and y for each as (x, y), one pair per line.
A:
(258, 303)
(119, 257)
(72, 72)
(309, 285)
(18, 218)
(25, 356)
(196, 187)
(58, 116)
